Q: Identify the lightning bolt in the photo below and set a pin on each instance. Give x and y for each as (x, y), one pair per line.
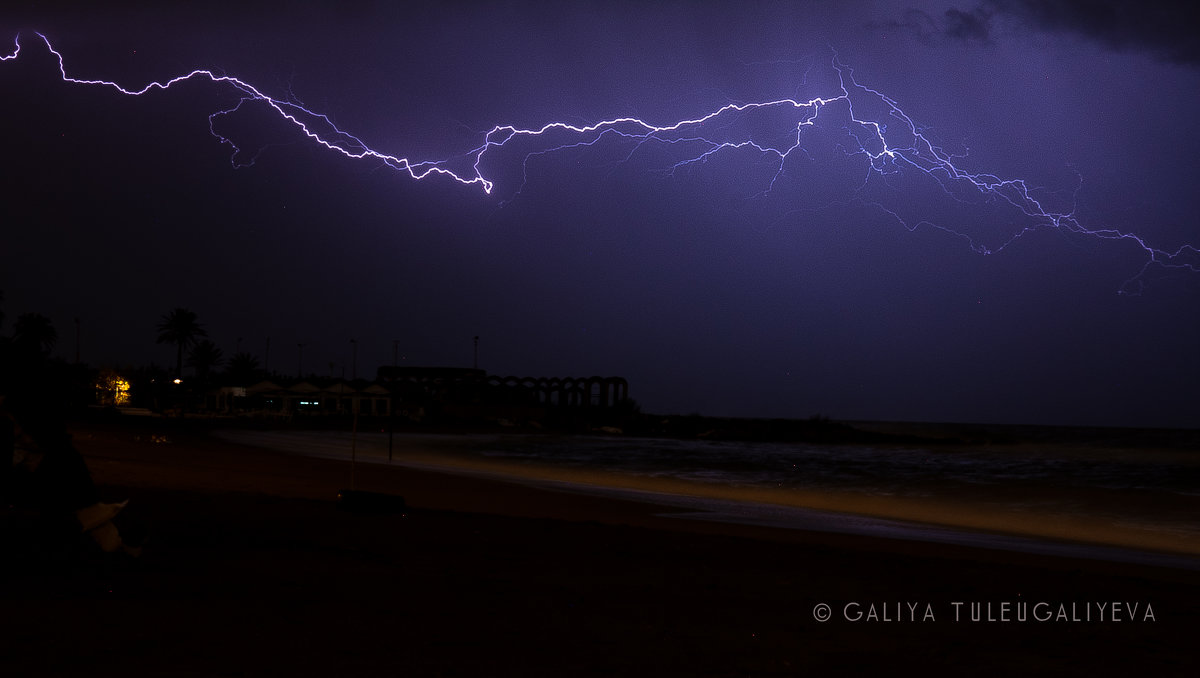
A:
(887, 145)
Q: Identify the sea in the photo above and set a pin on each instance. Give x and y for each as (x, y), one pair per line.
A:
(1120, 503)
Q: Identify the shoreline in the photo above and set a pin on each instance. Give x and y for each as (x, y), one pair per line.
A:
(944, 521)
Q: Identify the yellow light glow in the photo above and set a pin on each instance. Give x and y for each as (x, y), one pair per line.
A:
(121, 392)
(112, 389)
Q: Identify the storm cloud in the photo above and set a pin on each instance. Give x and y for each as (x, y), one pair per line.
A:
(1161, 27)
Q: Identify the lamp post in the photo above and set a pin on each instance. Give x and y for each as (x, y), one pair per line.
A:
(299, 360)
(354, 360)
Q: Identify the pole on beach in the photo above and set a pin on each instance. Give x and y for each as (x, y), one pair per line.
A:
(391, 425)
(392, 400)
(380, 503)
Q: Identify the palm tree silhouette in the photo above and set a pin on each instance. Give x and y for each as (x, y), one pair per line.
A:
(203, 357)
(35, 332)
(242, 368)
(181, 328)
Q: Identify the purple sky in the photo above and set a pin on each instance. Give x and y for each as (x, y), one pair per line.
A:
(707, 294)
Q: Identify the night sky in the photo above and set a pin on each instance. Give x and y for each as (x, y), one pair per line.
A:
(724, 287)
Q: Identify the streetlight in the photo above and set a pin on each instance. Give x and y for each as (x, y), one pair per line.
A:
(354, 360)
(299, 360)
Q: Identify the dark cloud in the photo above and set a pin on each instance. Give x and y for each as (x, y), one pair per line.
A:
(966, 26)
(954, 26)
(1164, 27)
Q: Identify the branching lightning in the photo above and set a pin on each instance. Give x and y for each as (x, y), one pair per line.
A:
(887, 144)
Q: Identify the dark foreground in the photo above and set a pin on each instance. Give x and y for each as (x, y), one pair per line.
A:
(250, 569)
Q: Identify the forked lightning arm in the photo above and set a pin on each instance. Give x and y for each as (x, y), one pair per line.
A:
(884, 151)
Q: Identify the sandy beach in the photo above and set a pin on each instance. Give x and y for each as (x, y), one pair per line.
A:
(1050, 517)
(249, 568)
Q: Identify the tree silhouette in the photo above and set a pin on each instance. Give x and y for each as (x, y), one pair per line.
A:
(35, 332)
(203, 357)
(181, 328)
(242, 369)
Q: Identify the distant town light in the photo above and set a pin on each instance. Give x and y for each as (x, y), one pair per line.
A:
(178, 381)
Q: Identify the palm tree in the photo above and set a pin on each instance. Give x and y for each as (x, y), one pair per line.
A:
(181, 328)
(35, 332)
(242, 369)
(203, 357)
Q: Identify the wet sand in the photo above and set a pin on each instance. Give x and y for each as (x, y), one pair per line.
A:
(1131, 526)
(250, 569)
